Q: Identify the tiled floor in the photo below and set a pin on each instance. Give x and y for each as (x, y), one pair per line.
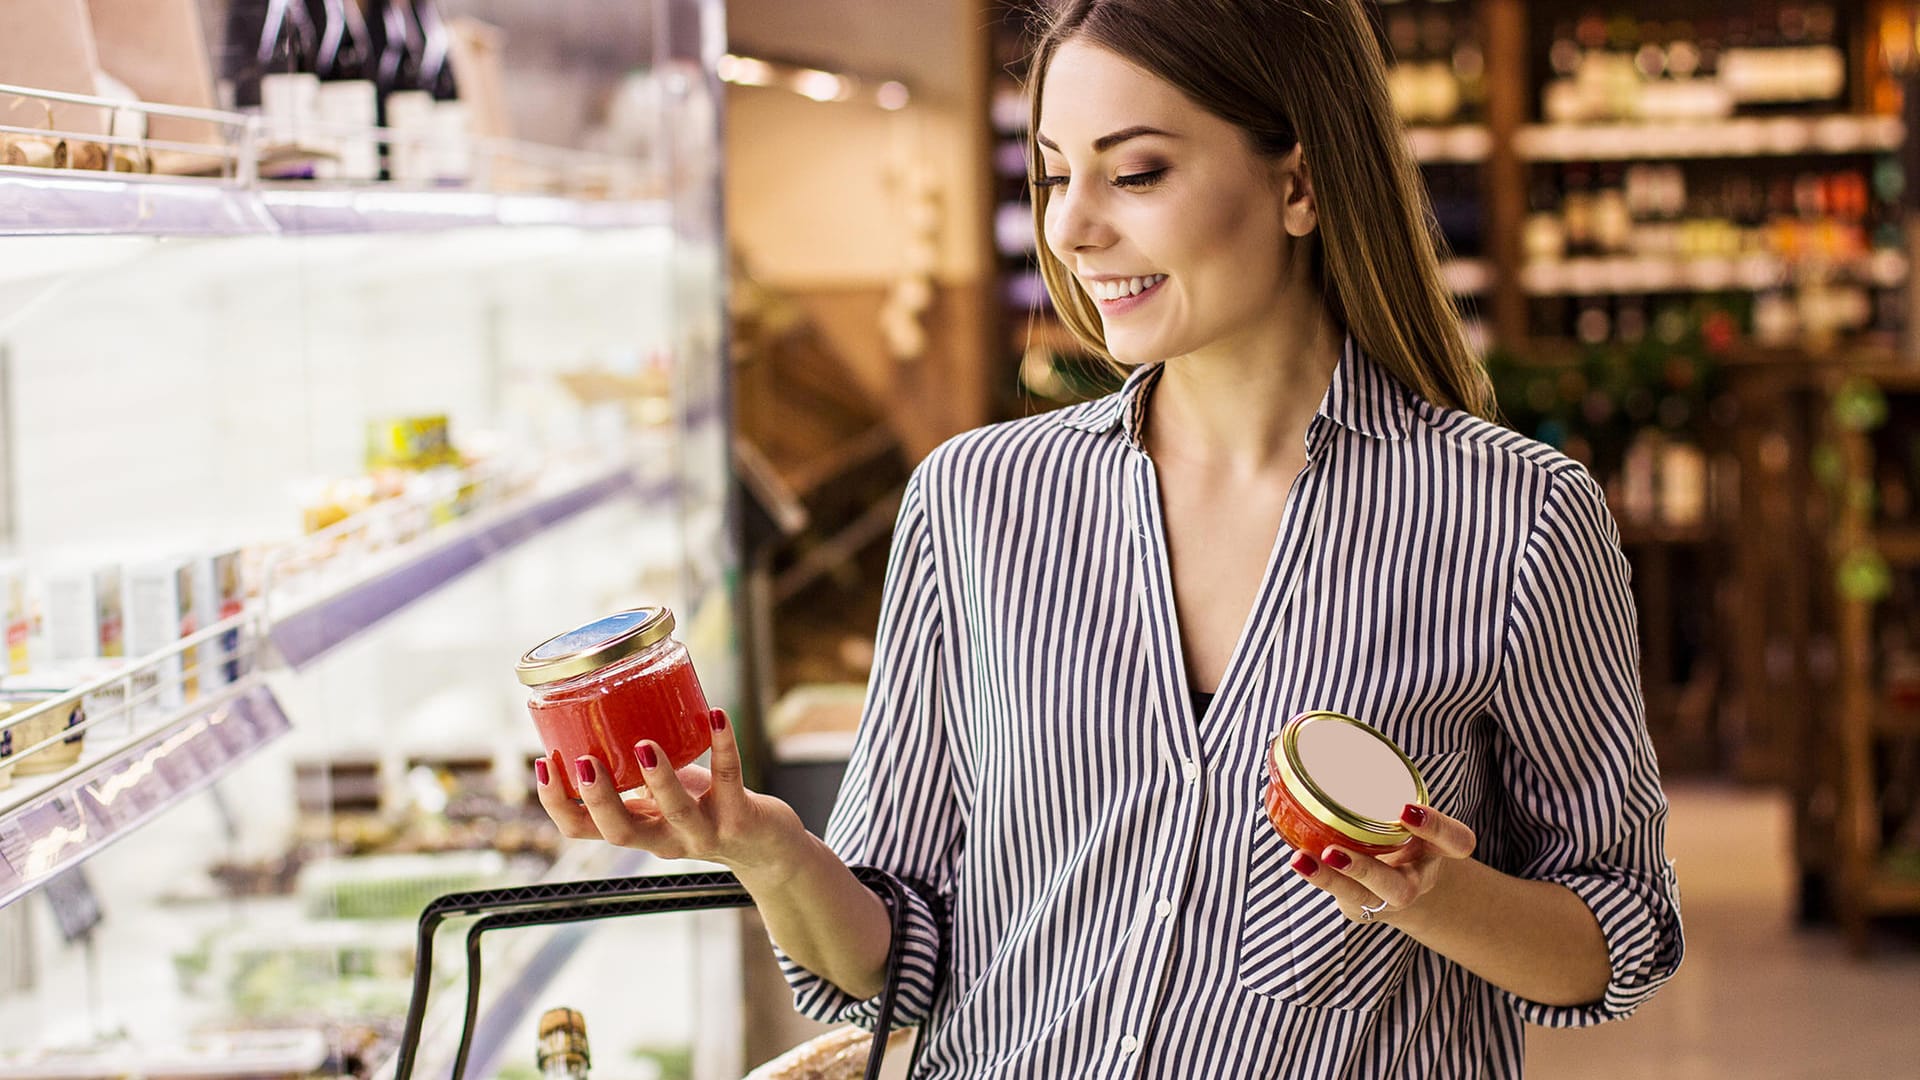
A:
(1756, 999)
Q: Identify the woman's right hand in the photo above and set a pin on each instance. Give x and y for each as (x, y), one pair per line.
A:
(696, 813)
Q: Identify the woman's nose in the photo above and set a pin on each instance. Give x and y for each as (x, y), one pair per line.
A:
(1073, 223)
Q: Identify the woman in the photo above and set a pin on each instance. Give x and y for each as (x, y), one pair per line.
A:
(1095, 619)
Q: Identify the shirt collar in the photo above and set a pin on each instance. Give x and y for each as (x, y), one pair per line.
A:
(1363, 397)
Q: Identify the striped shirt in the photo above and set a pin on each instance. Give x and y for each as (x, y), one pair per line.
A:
(1098, 890)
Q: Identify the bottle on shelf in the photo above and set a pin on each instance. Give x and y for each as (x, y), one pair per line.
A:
(1437, 73)
(394, 31)
(349, 96)
(1612, 219)
(1577, 209)
(451, 155)
(562, 1052)
(272, 52)
(406, 105)
(1544, 238)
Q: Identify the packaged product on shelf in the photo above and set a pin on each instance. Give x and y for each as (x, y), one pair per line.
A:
(40, 728)
(18, 619)
(410, 442)
(219, 593)
(85, 619)
(160, 611)
(327, 504)
(393, 886)
(6, 757)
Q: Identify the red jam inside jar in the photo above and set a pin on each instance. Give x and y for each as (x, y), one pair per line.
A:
(605, 687)
(1332, 781)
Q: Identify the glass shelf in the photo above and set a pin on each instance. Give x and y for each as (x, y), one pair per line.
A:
(1733, 137)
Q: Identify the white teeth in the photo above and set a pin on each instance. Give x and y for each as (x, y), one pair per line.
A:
(1116, 290)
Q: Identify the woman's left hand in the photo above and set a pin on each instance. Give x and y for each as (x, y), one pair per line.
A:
(1397, 879)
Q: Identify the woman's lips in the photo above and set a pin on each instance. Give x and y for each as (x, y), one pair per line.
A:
(1131, 301)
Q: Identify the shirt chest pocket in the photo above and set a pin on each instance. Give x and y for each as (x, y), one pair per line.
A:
(1295, 945)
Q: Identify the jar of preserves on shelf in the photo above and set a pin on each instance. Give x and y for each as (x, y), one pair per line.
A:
(1334, 781)
(603, 687)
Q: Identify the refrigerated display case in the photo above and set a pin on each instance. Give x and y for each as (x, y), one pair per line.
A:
(292, 472)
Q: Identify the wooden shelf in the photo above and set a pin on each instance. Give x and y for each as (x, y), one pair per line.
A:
(1656, 534)
(1892, 895)
(1611, 274)
(1729, 137)
(1899, 720)
(1462, 143)
(1899, 545)
(1885, 371)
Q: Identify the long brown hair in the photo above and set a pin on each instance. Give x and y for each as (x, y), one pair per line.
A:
(1287, 73)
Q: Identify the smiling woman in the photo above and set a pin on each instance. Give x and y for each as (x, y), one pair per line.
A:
(1095, 621)
(1300, 84)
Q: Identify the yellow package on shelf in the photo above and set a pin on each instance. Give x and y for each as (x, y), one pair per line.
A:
(410, 442)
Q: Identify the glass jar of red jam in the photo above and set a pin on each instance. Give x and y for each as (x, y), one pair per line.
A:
(1334, 781)
(605, 686)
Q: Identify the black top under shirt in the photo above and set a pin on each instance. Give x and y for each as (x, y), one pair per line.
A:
(1201, 699)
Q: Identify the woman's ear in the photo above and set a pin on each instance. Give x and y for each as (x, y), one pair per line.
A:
(1299, 212)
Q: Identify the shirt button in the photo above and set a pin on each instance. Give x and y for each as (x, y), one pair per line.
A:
(1164, 908)
(1128, 1044)
(1191, 770)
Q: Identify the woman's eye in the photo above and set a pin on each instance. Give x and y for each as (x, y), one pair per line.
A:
(1142, 179)
(1050, 182)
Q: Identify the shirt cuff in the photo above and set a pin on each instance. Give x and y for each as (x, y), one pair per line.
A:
(920, 956)
(1640, 920)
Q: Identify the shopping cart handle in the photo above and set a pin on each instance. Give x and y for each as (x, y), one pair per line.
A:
(578, 901)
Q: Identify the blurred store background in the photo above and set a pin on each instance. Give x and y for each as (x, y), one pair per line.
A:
(312, 426)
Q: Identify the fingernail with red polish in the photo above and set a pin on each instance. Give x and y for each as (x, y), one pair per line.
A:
(540, 771)
(1414, 816)
(584, 766)
(648, 759)
(1304, 865)
(1336, 858)
(719, 720)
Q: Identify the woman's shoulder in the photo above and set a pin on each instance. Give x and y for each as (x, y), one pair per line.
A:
(1047, 441)
(1485, 438)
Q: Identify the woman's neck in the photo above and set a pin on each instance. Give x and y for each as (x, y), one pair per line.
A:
(1244, 409)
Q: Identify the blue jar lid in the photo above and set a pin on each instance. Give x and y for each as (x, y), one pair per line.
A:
(595, 645)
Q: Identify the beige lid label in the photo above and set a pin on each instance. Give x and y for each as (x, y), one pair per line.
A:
(1355, 769)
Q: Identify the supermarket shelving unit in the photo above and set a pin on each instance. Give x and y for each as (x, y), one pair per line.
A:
(337, 286)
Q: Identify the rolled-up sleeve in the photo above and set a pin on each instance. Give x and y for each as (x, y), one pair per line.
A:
(1583, 788)
(897, 811)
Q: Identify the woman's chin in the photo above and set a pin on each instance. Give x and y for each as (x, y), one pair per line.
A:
(1134, 353)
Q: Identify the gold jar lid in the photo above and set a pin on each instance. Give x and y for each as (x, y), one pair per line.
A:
(595, 645)
(1284, 755)
(563, 1036)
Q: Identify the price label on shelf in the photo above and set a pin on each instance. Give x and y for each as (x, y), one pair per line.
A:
(175, 765)
(110, 799)
(40, 838)
(268, 718)
(146, 790)
(231, 728)
(205, 751)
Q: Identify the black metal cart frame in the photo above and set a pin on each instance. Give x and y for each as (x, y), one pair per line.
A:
(579, 901)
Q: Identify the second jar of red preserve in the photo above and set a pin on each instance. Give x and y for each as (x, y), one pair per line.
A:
(605, 686)
(1334, 781)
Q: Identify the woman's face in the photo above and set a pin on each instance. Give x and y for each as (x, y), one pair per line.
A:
(1170, 220)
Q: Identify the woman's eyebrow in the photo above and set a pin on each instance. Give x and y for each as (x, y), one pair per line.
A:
(1107, 142)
